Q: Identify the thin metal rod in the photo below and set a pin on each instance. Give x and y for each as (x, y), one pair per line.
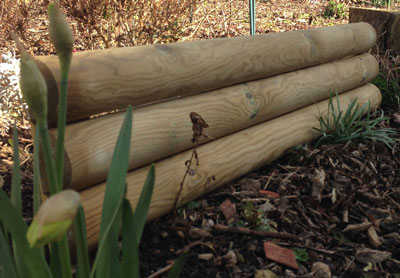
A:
(252, 15)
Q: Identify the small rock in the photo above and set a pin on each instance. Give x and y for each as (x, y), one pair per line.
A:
(321, 270)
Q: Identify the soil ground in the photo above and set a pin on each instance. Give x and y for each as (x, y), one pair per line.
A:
(351, 225)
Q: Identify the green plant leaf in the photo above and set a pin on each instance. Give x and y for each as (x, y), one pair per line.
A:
(301, 254)
(143, 204)
(130, 247)
(82, 253)
(13, 222)
(7, 267)
(16, 175)
(178, 266)
(36, 178)
(16, 200)
(112, 204)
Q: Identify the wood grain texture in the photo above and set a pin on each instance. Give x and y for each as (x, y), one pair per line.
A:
(163, 129)
(225, 159)
(386, 24)
(106, 80)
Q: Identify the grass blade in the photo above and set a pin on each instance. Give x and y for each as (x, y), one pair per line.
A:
(82, 253)
(7, 267)
(113, 200)
(12, 221)
(130, 247)
(178, 266)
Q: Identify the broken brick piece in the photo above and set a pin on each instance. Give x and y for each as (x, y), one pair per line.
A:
(228, 209)
(280, 255)
(270, 194)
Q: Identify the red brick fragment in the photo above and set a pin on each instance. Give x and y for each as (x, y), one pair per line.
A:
(280, 255)
(228, 209)
(270, 194)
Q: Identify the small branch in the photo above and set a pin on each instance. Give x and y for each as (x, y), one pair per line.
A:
(246, 231)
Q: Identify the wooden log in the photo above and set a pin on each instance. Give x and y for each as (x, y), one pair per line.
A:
(386, 24)
(163, 129)
(106, 80)
(221, 160)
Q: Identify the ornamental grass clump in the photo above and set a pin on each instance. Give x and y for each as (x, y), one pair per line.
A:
(356, 123)
(62, 210)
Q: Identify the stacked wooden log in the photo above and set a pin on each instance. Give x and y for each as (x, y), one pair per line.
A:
(260, 96)
(386, 24)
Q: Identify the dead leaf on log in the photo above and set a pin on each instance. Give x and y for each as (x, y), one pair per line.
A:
(228, 209)
(318, 184)
(366, 255)
(280, 255)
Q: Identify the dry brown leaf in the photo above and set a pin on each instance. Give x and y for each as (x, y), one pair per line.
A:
(396, 118)
(280, 255)
(318, 184)
(366, 255)
(228, 209)
(198, 233)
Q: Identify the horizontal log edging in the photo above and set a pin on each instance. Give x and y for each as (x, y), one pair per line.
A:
(163, 129)
(224, 159)
(106, 80)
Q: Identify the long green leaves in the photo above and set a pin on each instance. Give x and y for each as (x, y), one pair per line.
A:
(82, 258)
(133, 225)
(16, 200)
(7, 267)
(341, 126)
(16, 226)
(112, 204)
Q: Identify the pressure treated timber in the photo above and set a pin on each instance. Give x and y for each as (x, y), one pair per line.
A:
(386, 24)
(163, 129)
(221, 160)
(105, 80)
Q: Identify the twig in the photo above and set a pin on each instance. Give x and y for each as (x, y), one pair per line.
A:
(198, 125)
(246, 231)
(161, 271)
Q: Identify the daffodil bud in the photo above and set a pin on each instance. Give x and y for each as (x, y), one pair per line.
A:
(32, 83)
(54, 218)
(60, 34)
